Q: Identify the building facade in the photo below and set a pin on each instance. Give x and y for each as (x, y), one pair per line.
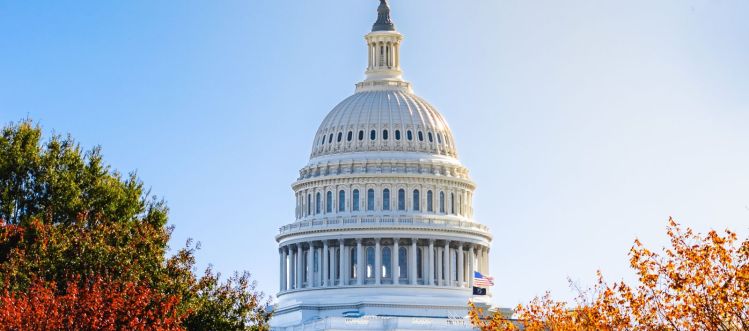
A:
(384, 236)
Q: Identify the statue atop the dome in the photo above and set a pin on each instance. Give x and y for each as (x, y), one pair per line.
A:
(384, 23)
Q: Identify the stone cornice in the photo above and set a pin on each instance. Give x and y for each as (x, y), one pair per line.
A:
(402, 179)
(383, 223)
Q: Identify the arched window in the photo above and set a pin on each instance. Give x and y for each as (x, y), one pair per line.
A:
(431, 138)
(361, 134)
(330, 138)
(384, 134)
(409, 135)
(340, 136)
(452, 203)
(386, 199)
(350, 136)
(372, 135)
(341, 200)
(370, 200)
(329, 202)
(317, 203)
(439, 138)
(397, 134)
(352, 265)
(322, 141)
(370, 262)
(401, 199)
(309, 204)
(416, 200)
(355, 201)
(430, 205)
(421, 136)
(402, 263)
(386, 262)
(442, 202)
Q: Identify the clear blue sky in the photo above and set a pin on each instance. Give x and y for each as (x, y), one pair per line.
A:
(585, 123)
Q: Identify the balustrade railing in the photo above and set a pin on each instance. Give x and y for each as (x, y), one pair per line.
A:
(383, 221)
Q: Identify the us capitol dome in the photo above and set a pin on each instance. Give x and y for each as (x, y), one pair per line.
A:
(384, 236)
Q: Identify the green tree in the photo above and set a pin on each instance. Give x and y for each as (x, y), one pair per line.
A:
(65, 214)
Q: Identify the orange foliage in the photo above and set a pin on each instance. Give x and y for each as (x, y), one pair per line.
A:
(99, 305)
(699, 283)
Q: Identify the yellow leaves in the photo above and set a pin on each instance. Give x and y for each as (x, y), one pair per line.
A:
(700, 283)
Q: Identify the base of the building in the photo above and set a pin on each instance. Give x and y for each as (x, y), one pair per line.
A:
(388, 323)
(394, 308)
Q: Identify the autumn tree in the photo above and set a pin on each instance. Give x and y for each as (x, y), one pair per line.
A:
(700, 282)
(71, 224)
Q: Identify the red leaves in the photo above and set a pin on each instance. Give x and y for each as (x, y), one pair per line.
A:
(88, 305)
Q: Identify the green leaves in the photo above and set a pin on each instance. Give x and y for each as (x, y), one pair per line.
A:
(64, 214)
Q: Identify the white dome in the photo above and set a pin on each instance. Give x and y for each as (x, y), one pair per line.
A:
(391, 119)
(384, 213)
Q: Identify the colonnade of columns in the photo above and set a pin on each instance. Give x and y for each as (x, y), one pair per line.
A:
(384, 54)
(380, 261)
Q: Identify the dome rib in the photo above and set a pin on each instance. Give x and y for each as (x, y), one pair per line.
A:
(379, 110)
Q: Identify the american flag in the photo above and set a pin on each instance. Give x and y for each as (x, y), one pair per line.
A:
(480, 280)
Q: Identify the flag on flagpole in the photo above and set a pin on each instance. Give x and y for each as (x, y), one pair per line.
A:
(480, 280)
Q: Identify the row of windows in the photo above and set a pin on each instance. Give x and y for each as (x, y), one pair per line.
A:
(386, 200)
(385, 136)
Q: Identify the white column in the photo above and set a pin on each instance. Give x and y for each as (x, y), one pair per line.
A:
(290, 266)
(325, 263)
(480, 258)
(395, 255)
(485, 259)
(430, 263)
(332, 262)
(397, 56)
(439, 261)
(471, 265)
(378, 262)
(342, 263)
(280, 270)
(310, 266)
(446, 264)
(359, 262)
(299, 254)
(414, 274)
(461, 270)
